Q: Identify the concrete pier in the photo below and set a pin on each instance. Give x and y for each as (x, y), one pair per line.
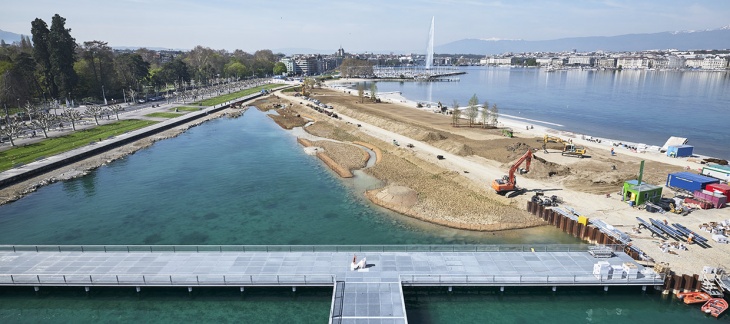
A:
(373, 292)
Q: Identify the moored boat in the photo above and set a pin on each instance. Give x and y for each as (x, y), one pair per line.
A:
(714, 306)
(696, 297)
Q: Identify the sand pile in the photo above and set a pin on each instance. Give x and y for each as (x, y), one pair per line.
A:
(348, 156)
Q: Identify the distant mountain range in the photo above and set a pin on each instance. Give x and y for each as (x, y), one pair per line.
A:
(685, 40)
(9, 37)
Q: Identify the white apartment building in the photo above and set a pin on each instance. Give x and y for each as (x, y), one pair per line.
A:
(714, 63)
(632, 62)
(581, 60)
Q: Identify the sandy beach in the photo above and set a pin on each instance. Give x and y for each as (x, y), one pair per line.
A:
(474, 156)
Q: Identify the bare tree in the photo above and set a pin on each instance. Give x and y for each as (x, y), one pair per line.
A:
(95, 111)
(473, 111)
(361, 92)
(115, 109)
(30, 110)
(132, 95)
(71, 116)
(455, 114)
(485, 114)
(44, 121)
(494, 114)
(373, 91)
(11, 129)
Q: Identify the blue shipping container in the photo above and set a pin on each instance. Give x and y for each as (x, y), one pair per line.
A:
(680, 150)
(689, 181)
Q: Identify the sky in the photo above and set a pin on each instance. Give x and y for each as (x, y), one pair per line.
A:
(399, 26)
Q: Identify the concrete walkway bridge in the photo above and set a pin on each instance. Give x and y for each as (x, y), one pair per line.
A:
(372, 294)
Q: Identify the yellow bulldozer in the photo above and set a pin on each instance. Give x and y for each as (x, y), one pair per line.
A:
(569, 148)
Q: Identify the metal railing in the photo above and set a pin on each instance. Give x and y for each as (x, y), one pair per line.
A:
(306, 248)
(582, 279)
(165, 280)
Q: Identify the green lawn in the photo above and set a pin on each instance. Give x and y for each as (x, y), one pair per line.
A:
(53, 146)
(227, 97)
(185, 108)
(164, 115)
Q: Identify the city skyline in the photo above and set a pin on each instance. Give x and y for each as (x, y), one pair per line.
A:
(377, 26)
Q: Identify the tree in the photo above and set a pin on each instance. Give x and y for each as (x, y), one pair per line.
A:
(455, 114)
(99, 58)
(11, 128)
(42, 54)
(237, 69)
(494, 114)
(485, 114)
(175, 71)
(361, 92)
(63, 55)
(279, 68)
(473, 111)
(132, 69)
(373, 91)
(307, 85)
(72, 116)
(95, 111)
(30, 110)
(115, 109)
(44, 121)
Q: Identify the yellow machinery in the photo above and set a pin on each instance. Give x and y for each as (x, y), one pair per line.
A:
(569, 148)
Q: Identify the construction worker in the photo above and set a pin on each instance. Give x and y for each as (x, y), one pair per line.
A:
(544, 148)
(690, 237)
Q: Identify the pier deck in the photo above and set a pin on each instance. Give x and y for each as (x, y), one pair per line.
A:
(374, 293)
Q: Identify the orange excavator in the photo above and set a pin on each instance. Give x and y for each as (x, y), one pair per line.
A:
(509, 183)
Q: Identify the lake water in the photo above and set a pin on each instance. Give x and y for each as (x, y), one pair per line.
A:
(228, 181)
(631, 105)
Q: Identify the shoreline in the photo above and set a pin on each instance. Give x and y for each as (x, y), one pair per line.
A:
(81, 168)
(426, 205)
(516, 123)
(605, 206)
(519, 124)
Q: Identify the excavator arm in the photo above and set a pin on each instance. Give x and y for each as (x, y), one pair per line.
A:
(508, 184)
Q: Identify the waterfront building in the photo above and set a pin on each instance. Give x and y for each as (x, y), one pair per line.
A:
(633, 62)
(581, 60)
(676, 62)
(714, 63)
(694, 62)
(607, 62)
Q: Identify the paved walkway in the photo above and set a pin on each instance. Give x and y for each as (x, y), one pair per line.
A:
(373, 293)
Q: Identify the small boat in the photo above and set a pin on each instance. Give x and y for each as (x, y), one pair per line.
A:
(714, 306)
(696, 297)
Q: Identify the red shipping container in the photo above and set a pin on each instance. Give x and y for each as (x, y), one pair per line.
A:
(700, 203)
(721, 187)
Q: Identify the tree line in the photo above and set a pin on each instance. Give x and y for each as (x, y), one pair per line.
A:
(51, 66)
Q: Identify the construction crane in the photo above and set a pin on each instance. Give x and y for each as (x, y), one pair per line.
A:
(509, 182)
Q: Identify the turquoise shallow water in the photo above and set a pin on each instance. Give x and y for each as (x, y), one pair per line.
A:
(540, 305)
(237, 181)
(230, 181)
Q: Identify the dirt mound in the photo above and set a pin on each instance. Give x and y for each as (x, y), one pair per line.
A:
(432, 137)
(542, 169)
(517, 150)
(599, 176)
